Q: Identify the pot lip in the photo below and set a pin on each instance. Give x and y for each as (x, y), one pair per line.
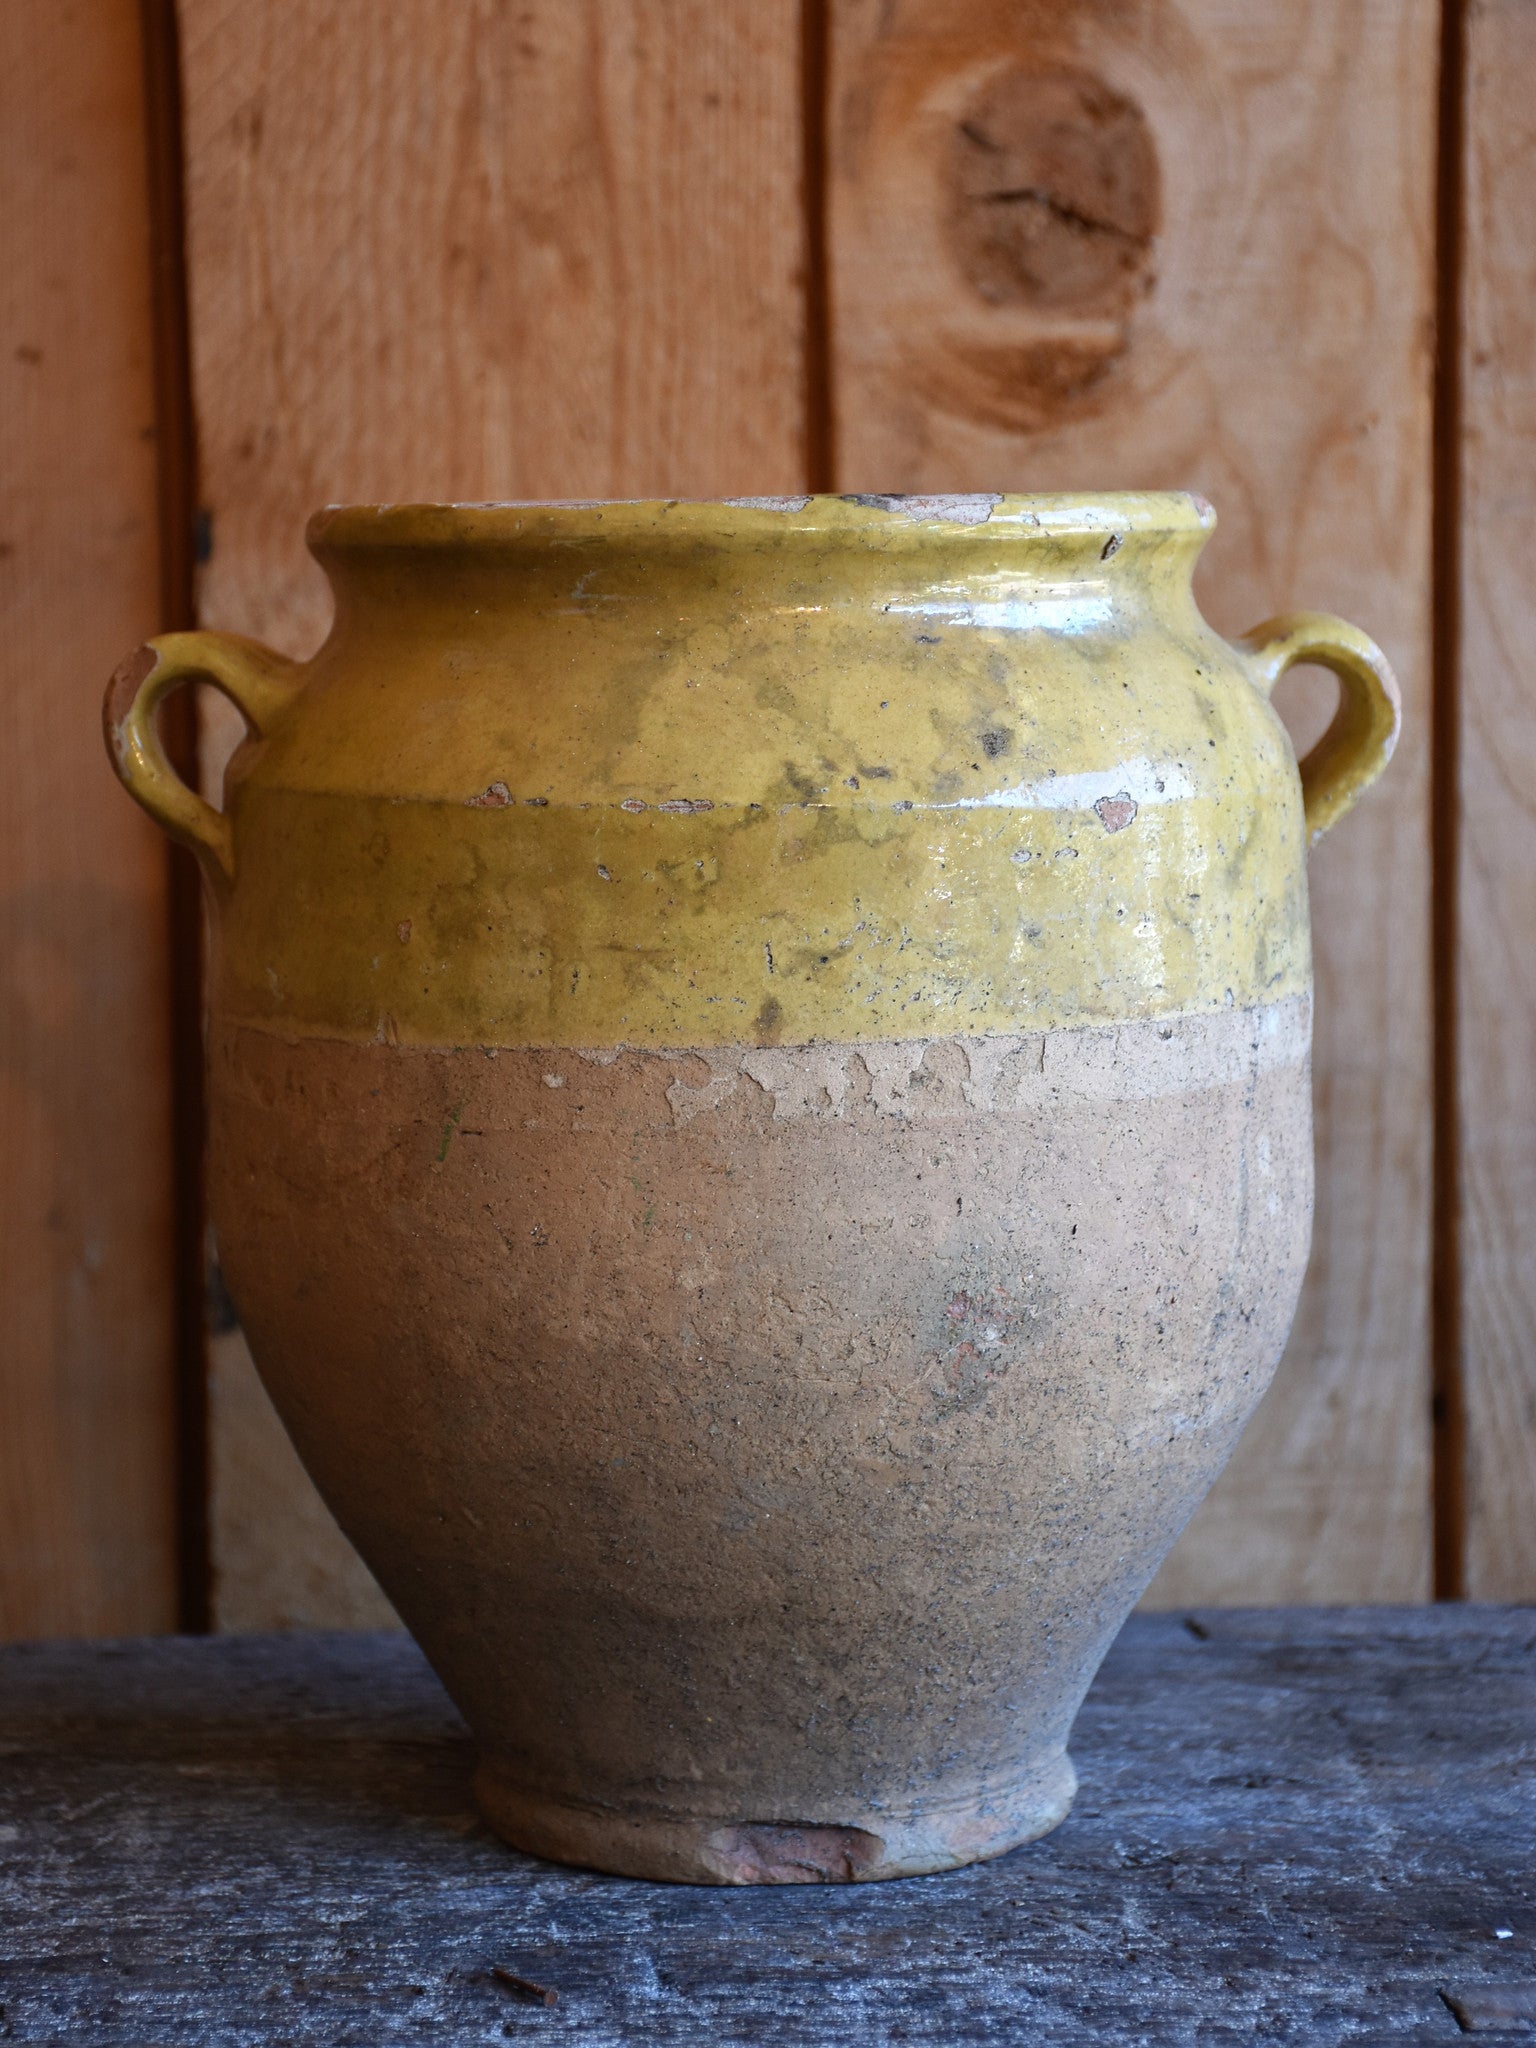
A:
(876, 520)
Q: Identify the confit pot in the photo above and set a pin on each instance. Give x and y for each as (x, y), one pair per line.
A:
(760, 1125)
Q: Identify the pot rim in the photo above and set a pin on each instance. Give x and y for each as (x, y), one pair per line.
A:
(877, 520)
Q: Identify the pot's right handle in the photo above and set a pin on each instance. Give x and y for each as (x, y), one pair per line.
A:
(1358, 744)
(260, 685)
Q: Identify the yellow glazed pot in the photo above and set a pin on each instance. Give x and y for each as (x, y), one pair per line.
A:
(760, 1125)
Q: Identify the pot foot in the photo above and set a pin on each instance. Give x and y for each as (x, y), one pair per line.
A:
(703, 1849)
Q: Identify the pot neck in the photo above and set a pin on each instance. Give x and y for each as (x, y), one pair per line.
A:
(980, 556)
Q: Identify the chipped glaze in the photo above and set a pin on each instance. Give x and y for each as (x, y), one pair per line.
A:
(760, 1125)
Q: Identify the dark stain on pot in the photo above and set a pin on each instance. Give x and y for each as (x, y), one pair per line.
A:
(986, 1330)
(799, 784)
(995, 741)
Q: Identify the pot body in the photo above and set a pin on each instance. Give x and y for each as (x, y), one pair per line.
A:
(760, 1133)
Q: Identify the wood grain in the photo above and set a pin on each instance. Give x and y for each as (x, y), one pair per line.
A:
(87, 1434)
(480, 251)
(1496, 912)
(1301, 1827)
(1081, 246)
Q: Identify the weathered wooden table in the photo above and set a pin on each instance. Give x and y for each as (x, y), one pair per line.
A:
(1304, 1826)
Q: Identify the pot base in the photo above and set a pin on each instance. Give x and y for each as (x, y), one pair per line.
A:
(701, 1849)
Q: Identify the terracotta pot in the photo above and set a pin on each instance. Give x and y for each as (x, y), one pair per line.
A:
(760, 1125)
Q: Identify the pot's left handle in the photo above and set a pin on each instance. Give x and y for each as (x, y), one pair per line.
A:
(1358, 744)
(260, 685)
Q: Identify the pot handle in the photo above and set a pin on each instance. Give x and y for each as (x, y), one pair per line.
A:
(260, 685)
(1358, 744)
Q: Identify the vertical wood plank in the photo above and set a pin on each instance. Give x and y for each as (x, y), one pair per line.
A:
(87, 1387)
(545, 250)
(480, 251)
(1083, 246)
(1496, 910)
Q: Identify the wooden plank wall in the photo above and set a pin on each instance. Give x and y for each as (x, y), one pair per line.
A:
(632, 247)
(1495, 910)
(87, 1360)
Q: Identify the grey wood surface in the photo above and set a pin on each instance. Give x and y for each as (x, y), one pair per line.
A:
(1300, 1826)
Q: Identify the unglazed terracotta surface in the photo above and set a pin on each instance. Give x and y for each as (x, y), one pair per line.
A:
(761, 1128)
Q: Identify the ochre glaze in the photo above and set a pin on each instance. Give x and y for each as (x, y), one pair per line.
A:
(679, 775)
